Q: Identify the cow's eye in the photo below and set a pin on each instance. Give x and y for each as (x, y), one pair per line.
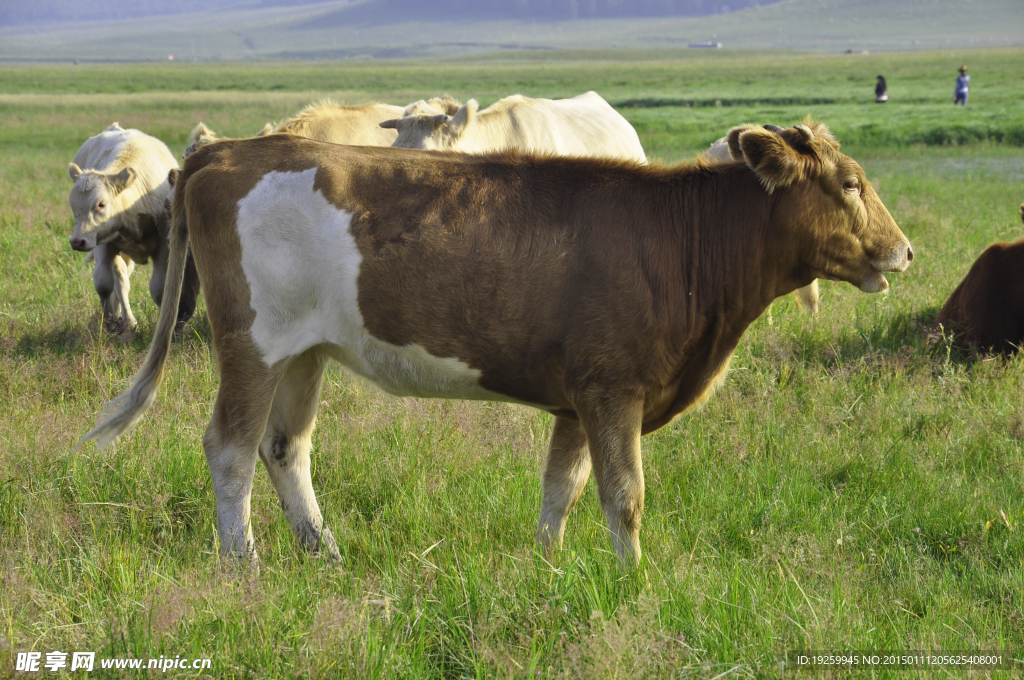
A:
(101, 205)
(852, 185)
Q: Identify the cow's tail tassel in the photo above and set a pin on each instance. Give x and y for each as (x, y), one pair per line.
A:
(120, 414)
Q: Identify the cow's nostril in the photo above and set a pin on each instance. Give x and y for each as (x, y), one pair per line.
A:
(910, 254)
(78, 244)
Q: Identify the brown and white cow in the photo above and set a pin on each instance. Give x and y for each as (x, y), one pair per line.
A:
(610, 294)
(986, 311)
(118, 201)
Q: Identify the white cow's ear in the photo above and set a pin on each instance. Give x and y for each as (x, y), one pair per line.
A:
(390, 124)
(268, 129)
(122, 180)
(776, 163)
(74, 172)
(464, 116)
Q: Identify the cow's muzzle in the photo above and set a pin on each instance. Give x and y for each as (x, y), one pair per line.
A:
(899, 259)
(78, 243)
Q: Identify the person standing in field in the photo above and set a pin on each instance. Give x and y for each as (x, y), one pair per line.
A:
(881, 91)
(963, 85)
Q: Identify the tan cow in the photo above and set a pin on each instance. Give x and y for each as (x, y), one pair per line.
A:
(585, 125)
(719, 152)
(330, 122)
(610, 294)
(327, 122)
(118, 201)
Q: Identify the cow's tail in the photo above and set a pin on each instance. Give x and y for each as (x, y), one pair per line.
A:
(120, 414)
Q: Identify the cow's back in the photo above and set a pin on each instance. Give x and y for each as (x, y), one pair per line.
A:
(585, 125)
(99, 152)
(355, 125)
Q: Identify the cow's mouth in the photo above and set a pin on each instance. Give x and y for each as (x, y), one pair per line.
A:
(874, 282)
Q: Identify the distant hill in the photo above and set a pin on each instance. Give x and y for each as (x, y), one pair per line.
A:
(373, 29)
(379, 11)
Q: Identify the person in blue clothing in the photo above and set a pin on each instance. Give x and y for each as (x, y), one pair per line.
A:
(963, 85)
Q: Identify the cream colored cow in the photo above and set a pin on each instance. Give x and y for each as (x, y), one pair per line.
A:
(585, 125)
(118, 201)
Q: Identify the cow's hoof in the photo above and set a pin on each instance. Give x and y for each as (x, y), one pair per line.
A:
(328, 547)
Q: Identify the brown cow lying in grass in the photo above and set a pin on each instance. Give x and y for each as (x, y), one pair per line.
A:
(609, 293)
(986, 311)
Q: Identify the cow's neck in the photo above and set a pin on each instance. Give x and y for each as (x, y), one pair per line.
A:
(735, 262)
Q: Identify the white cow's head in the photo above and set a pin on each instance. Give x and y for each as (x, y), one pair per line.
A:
(439, 131)
(97, 201)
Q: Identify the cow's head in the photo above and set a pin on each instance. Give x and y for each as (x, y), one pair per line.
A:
(437, 131)
(432, 107)
(97, 203)
(825, 203)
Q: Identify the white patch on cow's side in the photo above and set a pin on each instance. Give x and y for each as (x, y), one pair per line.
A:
(302, 264)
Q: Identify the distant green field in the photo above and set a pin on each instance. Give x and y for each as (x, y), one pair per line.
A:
(854, 485)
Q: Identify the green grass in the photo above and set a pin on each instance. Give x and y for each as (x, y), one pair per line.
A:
(852, 486)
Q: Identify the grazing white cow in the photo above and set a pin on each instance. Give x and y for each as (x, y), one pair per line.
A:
(609, 293)
(118, 201)
(585, 125)
(720, 152)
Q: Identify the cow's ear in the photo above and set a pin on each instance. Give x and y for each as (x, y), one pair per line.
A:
(464, 116)
(74, 172)
(172, 177)
(200, 133)
(775, 162)
(390, 124)
(268, 129)
(122, 180)
(733, 139)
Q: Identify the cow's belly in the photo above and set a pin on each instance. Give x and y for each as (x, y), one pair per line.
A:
(302, 265)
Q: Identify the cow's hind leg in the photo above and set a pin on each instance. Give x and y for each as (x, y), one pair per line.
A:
(613, 427)
(233, 437)
(285, 451)
(565, 475)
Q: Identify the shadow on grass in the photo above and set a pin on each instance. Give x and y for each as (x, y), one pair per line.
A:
(912, 340)
(65, 338)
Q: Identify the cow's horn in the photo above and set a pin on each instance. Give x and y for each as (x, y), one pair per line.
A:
(805, 133)
(772, 128)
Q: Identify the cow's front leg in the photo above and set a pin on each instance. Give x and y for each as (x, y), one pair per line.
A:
(103, 281)
(233, 438)
(565, 475)
(285, 452)
(612, 424)
(123, 266)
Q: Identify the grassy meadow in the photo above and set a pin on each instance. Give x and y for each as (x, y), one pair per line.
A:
(854, 485)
